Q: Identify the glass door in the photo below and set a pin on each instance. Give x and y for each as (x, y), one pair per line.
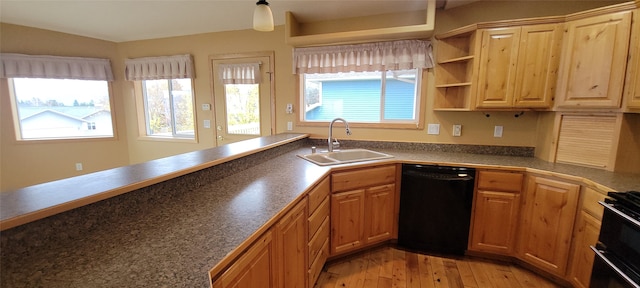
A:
(243, 97)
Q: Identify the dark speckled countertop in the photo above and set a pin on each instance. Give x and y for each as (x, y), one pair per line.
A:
(171, 238)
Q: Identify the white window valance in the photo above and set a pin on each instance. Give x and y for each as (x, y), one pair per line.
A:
(55, 67)
(379, 56)
(239, 73)
(163, 67)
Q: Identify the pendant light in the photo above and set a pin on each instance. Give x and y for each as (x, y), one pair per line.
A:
(262, 17)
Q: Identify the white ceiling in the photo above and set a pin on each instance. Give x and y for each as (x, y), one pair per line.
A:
(121, 20)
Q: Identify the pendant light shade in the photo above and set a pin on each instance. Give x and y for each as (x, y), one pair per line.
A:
(262, 17)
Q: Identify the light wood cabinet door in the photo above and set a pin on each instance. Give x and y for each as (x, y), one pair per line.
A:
(587, 232)
(594, 61)
(632, 86)
(291, 243)
(549, 209)
(498, 62)
(538, 60)
(494, 222)
(379, 210)
(347, 221)
(254, 269)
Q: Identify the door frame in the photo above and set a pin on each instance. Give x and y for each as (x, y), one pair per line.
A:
(272, 90)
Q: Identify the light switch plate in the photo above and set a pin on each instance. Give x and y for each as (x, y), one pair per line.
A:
(433, 129)
(207, 123)
(497, 131)
(289, 126)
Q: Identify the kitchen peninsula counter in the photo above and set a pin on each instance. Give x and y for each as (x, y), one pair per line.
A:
(169, 232)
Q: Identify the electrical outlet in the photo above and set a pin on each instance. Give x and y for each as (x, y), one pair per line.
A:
(207, 123)
(433, 129)
(497, 131)
(457, 130)
(78, 166)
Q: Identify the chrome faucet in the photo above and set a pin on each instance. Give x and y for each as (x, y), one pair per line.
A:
(336, 144)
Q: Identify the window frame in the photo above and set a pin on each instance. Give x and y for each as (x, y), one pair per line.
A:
(18, 130)
(143, 132)
(420, 101)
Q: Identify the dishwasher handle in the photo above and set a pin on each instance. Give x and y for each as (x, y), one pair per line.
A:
(439, 176)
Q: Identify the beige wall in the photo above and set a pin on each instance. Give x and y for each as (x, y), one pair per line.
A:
(28, 164)
(24, 164)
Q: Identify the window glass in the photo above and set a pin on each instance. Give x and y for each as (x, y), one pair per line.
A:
(243, 108)
(168, 108)
(366, 97)
(61, 108)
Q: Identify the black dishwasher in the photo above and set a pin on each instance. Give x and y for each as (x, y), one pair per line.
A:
(435, 208)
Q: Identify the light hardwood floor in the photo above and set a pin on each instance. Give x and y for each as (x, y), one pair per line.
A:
(389, 267)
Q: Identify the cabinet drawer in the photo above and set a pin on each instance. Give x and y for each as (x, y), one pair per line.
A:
(349, 180)
(317, 195)
(316, 243)
(500, 181)
(590, 202)
(316, 219)
(318, 263)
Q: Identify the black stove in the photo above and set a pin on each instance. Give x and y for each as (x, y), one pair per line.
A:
(617, 261)
(627, 202)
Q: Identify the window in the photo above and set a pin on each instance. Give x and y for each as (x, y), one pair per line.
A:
(61, 108)
(372, 84)
(365, 97)
(168, 108)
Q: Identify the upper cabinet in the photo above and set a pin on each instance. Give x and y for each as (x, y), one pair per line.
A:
(513, 66)
(583, 61)
(594, 61)
(632, 84)
(538, 60)
(498, 62)
(518, 66)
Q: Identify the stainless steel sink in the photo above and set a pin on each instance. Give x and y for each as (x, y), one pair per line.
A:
(344, 156)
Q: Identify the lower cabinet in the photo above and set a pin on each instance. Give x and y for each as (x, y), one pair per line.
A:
(363, 208)
(318, 219)
(546, 225)
(495, 212)
(291, 244)
(277, 259)
(586, 234)
(254, 269)
(347, 221)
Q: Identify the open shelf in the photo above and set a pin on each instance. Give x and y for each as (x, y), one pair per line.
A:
(410, 25)
(455, 70)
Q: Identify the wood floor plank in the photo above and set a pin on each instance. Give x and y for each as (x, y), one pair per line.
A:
(356, 273)
(326, 280)
(388, 267)
(384, 282)
(480, 274)
(413, 270)
(529, 279)
(372, 272)
(387, 264)
(439, 274)
(426, 271)
(452, 273)
(500, 276)
(399, 279)
(468, 280)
